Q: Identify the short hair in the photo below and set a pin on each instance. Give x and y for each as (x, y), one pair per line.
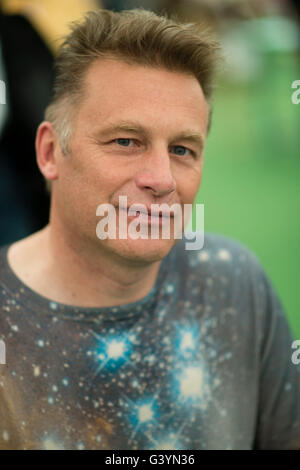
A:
(135, 36)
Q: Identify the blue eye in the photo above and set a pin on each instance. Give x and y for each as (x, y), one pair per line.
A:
(124, 142)
(182, 150)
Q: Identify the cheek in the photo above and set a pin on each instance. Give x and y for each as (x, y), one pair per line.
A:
(75, 191)
(188, 187)
(94, 171)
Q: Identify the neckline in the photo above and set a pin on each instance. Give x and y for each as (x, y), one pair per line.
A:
(34, 301)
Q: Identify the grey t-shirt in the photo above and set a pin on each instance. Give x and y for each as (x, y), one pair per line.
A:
(202, 362)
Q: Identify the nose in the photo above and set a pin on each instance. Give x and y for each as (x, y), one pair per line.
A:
(156, 175)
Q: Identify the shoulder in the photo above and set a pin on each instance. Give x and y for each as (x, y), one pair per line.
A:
(5, 291)
(219, 253)
(4, 267)
(9, 285)
(229, 269)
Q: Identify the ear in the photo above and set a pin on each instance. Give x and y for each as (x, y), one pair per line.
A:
(47, 150)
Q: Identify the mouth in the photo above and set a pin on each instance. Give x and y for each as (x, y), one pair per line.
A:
(134, 212)
(146, 215)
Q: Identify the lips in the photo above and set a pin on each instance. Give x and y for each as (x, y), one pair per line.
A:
(146, 211)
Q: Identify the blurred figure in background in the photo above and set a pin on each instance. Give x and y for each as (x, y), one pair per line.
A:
(30, 32)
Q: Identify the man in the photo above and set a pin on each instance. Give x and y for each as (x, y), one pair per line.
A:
(125, 342)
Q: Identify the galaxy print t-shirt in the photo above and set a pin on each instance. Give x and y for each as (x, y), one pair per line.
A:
(202, 362)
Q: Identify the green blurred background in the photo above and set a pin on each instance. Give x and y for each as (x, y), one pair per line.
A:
(250, 184)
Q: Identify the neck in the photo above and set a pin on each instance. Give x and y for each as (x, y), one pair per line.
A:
(59, 268)
(99, 277)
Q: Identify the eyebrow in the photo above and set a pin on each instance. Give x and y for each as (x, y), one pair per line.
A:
(188, 136)
(194, 137)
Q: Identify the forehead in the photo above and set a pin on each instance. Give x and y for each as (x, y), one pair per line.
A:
(116, 89)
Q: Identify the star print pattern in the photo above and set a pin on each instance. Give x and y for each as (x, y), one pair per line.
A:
(196, 364)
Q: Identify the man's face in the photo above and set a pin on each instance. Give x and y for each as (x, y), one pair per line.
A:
(137, 133)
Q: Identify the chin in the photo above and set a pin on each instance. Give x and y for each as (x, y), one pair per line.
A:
(143, 251)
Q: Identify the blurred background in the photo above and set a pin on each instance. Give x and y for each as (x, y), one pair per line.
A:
(250, 184)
